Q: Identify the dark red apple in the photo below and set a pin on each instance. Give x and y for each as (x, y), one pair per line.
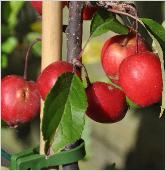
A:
(141, 78)
(38, 5)
(107, 104)
(20, 100)
(88, 12)
(49, 76)
(116, 49)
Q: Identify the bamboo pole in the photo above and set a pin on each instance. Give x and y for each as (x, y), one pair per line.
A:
(51, 41)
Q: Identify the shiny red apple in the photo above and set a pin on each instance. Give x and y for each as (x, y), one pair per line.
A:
(107, 104)
(49, 76)
(88, 12)
(141, 78)
(37, 5)
(116, 49)
(20, 100)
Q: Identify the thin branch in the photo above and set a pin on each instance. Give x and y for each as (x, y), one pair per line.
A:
(74, 48)
(74, 30)
(123, 13)
(127, 9)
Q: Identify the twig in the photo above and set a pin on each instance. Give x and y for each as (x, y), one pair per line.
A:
(27, 55)
(127, 9)
(74, 30)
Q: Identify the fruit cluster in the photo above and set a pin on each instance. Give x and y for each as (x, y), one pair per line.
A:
(126, 60)
(132, 66)
(128, 63)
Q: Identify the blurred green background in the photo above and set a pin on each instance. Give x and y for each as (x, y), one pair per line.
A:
(136, 142)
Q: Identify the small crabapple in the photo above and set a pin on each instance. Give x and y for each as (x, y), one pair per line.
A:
(141, 78)
(107, 104)
(20, 100)
(116, 49)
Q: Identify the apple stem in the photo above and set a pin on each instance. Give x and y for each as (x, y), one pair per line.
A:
(123, 13)
(82, 51)
(122, 8)
(124, 43)
(86, 76)
(27, 56)
(79, 59)
(77, 63)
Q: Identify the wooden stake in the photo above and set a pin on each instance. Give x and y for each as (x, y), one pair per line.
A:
(51, 41)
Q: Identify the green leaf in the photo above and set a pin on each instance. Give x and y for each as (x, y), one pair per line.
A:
(9, 45)
(131, 104)
(86, 136)
(36, 27)
(64, 112)
(5, 12)
(104, 21)
(5, 31)
(4, 61)
(99, 18)
(15, 6)
(155, 28)
(157, 49)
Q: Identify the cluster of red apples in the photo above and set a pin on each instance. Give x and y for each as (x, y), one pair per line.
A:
(126, 60)
(138, 74)
(20, 99)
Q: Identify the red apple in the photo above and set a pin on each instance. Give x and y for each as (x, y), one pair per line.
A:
(116, 49)
(49, 76)
(107, 104)
(141, 78)
(38, 5)
(88, 12)
(20, 100)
